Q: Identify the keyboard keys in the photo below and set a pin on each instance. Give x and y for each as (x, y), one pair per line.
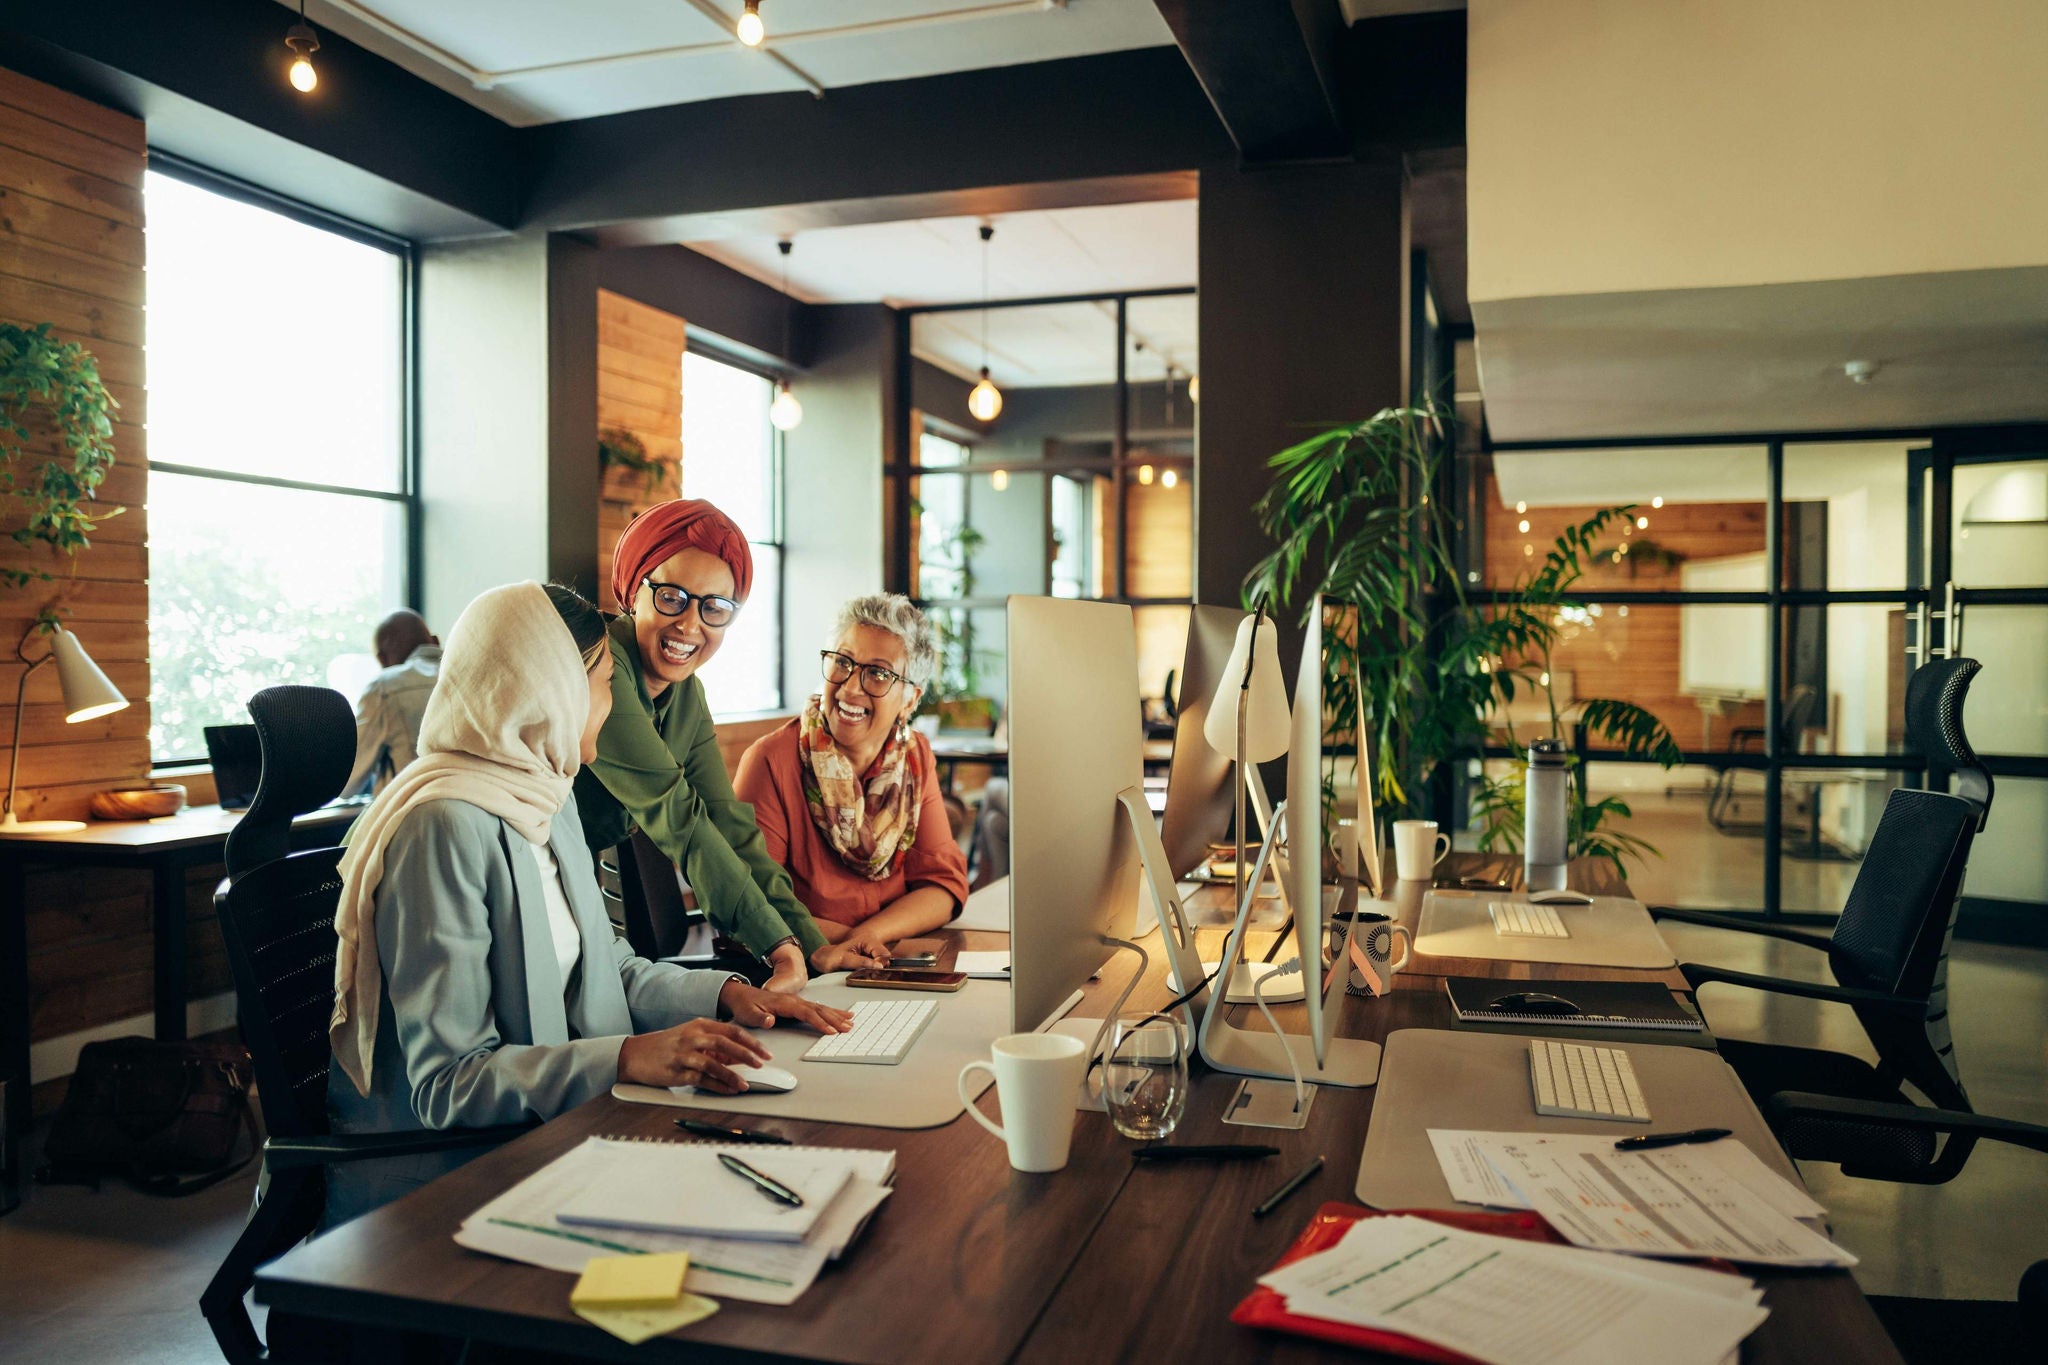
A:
(882, 1033)
(1520, 919)
(1579, 1081)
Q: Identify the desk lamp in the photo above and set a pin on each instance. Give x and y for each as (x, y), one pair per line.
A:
(87, 693)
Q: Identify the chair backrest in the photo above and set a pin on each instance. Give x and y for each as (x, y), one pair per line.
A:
(1935, 695)
(1894, 931)
(308, 736)
(278, 922)
(657, 920)
(1800, 702)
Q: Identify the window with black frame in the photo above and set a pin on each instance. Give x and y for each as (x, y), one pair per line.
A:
(732, 456)
(280, 501)
(1082, 485)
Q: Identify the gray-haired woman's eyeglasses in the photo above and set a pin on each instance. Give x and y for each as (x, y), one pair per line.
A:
(875, 680)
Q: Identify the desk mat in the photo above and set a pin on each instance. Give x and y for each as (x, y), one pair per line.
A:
(918, 1092)
(1434, 1078)
(1611, 932)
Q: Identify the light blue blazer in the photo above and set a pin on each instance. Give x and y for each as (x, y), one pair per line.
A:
(475, 1025)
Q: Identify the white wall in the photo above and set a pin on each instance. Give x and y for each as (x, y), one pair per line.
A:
(483, 419)
(1650, 144)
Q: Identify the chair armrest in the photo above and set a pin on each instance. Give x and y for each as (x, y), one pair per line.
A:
(1739, 925)
(1697, 975)
(1798, 1103)
(329, 1149)
(1742, 736)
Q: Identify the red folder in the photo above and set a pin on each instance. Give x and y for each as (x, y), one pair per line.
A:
(1265, 1308)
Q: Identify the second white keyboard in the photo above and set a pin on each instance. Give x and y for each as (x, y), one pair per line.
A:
(882, 1033)
(1579, 1081)
(1520, 919)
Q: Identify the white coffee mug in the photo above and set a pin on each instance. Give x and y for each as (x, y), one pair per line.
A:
(1037, 1076)
(1418, 848)
(1371, 945)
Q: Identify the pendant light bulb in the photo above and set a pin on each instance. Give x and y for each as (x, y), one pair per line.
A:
(750, 28)
(303, 42)
(785, 412)
(985, 400)
(1194, 388)
(1169, 478)
(1145, 475)
(1000, 480)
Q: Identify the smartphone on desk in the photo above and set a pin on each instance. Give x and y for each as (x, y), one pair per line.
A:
(906, 979)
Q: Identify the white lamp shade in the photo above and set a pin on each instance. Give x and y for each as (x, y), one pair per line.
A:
(87, 691)
(1266, 713)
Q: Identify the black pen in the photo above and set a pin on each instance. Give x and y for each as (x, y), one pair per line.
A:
(1226, 1152)
(1279, 1196)
(1648, 1140)
(712, 1130)
(766, 1184)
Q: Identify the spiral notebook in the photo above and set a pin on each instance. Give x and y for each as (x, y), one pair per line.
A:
(1594, 1004)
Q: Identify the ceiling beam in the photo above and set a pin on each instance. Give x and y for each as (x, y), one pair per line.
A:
(1269, 69)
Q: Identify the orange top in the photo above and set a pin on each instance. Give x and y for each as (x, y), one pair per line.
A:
(770, 777)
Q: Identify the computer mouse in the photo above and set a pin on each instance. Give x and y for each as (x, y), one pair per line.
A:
(1533, 1002)
(766, 1080)
(1559, 897)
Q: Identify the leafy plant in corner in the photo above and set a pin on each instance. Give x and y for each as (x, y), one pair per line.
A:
(1352, 519)
(618, 448)
(55, 383)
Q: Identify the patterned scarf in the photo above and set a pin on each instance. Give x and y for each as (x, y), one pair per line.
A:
(869, 828)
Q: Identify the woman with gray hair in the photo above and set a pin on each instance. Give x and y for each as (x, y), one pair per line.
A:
(847, 794)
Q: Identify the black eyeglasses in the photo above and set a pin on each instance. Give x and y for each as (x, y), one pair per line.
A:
(712, 609)
(875, 680)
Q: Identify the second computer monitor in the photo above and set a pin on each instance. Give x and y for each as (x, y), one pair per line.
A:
(1076, 745)
(1200, 800)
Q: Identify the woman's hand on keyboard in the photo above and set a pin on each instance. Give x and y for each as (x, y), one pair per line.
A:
(700, 1053)
(758, 1008)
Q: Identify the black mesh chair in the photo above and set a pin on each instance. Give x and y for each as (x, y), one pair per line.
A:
(658, 921)
(1724, 795)
(277, 917)
(1889, 959)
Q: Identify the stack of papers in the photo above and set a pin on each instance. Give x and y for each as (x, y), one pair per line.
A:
(526, 1222)
(1711, 1199)
(1510, 1302)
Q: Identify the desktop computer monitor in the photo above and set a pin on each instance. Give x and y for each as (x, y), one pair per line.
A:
(1076, 758)
(1200, 800)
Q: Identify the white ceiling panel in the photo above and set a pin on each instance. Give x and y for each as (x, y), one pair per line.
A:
(541, 61)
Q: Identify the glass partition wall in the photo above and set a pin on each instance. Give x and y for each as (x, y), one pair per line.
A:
(1081, 485)
(1768, 601)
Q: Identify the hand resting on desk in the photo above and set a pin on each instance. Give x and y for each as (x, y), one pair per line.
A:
(704, 1052)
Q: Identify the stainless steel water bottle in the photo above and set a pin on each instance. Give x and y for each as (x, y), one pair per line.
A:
(1545, 842)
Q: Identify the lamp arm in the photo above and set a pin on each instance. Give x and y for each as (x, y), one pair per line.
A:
(20, 695)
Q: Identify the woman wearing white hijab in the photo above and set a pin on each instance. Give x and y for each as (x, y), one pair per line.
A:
(477, 978)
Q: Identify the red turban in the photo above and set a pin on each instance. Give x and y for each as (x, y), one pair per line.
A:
(670, 527)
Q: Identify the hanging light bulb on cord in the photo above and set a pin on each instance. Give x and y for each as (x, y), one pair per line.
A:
(985, 400)
(303, 42)
(750, 28)
(785, 413)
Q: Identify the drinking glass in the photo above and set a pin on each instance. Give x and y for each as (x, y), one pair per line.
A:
(1145, 1081)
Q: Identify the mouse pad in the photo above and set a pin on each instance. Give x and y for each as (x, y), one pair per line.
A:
(918, 1092)
(1611, 932)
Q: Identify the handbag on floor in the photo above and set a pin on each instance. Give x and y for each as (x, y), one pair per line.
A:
(168, 1117)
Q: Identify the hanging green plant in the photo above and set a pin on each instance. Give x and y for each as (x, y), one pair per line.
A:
(53, 382)
(618, 448)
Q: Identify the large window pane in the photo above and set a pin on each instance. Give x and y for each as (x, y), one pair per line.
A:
(1845, 515)
(2007, 712)
(744, 674)
(2001, 525)
(728, 444)
(253, 586)
(274, 347)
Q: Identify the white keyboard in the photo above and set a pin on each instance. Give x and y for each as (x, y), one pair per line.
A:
(1520, 919)
(1579, 1081)
(882, 1033)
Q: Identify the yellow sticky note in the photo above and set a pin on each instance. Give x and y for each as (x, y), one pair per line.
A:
(635, 1325)
(630, 1281)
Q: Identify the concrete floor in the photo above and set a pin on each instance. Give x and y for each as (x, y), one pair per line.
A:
(115, 1276)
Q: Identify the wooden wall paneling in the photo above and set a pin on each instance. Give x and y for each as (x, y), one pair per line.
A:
(72, 254)
(640, 389)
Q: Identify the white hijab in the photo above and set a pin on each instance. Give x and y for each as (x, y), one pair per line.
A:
(502, 731)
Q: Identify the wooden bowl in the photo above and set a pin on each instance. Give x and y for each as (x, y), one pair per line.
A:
(139, 803)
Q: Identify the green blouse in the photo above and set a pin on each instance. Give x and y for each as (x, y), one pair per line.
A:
(658, 767)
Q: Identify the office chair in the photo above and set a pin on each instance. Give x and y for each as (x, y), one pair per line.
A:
(1889, 958)
(1799, 706)
(659, 921)
(277, 917)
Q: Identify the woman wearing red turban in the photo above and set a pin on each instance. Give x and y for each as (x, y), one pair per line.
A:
(682, 572)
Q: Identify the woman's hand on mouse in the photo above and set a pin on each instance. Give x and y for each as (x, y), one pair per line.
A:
(700, 1053)
(757, 1008)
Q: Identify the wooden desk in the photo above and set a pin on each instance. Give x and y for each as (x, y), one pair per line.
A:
(170, 848)
(969, 1261)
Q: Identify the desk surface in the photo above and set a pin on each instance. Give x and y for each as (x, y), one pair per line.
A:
(192, 827)
(968, 1260)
